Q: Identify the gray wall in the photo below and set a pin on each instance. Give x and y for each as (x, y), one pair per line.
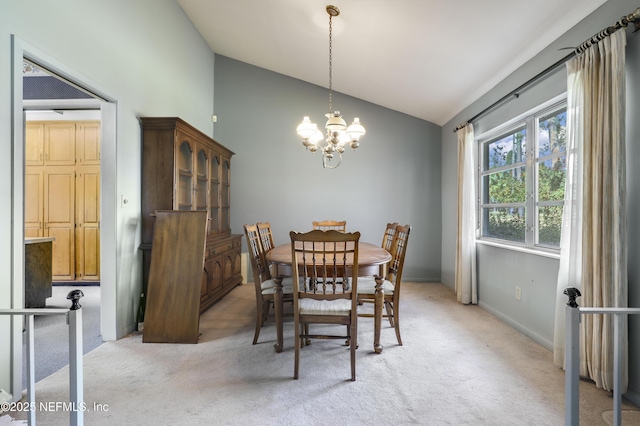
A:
(500, 270)
(393, 177)
(132, 52)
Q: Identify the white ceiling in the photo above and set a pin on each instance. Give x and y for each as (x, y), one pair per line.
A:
(426, 58)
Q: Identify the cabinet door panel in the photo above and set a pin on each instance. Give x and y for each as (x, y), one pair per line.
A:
(228, 266)
(88, 264)
(59, 216)
(237, 264)
(88, 232)
(204, 286)
(232, 266)
(63, 253)
(60, 144)
(89, 197)
(34, 144)
(88, 142)
(215, 283)
(33, 202)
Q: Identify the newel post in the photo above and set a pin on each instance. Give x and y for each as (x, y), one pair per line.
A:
(76, 374)
(572, 359)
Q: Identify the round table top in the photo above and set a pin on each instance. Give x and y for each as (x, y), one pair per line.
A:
(368, 254)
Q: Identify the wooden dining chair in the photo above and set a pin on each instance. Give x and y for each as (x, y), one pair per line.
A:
(390, 284)
(263, 282)
(327, 225)
(325, 289)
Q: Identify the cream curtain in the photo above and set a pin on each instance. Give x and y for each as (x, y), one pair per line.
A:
(593, 254)
(466, 286)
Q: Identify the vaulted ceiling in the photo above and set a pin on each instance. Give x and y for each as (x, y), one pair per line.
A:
(426, 58)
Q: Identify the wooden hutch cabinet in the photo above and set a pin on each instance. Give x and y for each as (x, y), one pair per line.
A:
(183, 169)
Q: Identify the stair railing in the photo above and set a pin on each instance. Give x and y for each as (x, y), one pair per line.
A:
(76, 391)
(572, 356)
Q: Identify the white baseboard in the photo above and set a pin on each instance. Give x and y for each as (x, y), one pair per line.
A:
(522, 329)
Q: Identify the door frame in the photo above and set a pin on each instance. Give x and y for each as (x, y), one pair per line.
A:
(108, 198)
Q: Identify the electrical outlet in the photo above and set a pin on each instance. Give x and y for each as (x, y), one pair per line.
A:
(518, 293)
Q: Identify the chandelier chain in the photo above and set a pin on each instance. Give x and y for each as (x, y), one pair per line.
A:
(330, 65)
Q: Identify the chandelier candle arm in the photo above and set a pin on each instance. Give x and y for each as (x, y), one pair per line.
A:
(337, 132)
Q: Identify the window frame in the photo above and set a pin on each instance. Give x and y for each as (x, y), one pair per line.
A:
(531, 204)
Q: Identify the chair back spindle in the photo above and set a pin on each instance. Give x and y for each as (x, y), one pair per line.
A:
(266, 237)
(389, 234)
(398, 250)
(256, 254)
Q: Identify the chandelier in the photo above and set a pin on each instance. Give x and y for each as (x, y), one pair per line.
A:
(338, 135)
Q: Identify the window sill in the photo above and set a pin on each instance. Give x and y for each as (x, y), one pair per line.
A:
(520, 249)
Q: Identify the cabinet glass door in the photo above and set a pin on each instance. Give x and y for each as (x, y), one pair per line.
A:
(225, 220)
(202, 179)
(214, 195)
(185, 177)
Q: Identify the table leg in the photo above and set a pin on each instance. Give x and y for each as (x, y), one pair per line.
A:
(278, 308)
(379, 303)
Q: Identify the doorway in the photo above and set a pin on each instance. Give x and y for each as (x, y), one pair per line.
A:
(97, 100)
(62, 172)
(62, 203)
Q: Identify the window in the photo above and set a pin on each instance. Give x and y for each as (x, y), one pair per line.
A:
(521, 179)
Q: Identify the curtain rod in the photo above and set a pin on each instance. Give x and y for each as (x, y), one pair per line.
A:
(622, 22)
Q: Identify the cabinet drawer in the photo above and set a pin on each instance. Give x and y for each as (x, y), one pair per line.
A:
(220, 247)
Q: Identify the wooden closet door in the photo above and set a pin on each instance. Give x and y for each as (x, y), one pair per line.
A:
(88, 224)
(59, 217)
(88, 143)
(33, 202)
(60, 144)
(34, 144)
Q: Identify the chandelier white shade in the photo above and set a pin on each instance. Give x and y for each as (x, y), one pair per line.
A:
(337, 134)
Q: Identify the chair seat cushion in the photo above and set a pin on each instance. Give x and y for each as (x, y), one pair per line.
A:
(367, 285)
(268, 286)
(324, 307)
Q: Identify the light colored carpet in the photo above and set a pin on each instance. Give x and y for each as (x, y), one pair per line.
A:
(458, 366)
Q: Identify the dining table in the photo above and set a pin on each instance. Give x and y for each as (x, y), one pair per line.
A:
(371, 261)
